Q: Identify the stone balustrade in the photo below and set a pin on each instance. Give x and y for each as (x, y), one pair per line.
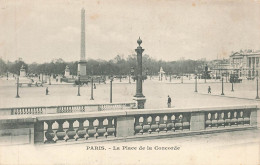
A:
(65, 109)
(142, 123)
(130, 124)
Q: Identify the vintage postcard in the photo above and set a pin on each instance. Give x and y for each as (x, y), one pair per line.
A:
(129, 82)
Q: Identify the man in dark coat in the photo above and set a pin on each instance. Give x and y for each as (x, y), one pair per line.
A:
(169, 101)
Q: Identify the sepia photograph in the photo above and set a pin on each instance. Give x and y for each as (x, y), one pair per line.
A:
(118, 82)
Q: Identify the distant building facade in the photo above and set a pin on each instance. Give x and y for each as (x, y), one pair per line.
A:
(245, 63)
(219, 67)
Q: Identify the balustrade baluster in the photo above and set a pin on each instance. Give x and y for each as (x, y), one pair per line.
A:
(146, 126)
(60, 133)
(228, 119)
(221, 122)
(91, 128)
(155, 125)
(101, 129)
(81, 132)
(171, 123)
(162, 123)
(234, 119)
(241, 118)
(179, 123)
(215, 120)
(71, 132)
(139, 125)
(49, 134)
(208, 121)
(111, 127)
(186, 122)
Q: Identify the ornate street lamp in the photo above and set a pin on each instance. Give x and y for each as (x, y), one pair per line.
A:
(139, 97)
(206, 73)
(257, 96)
(232, 79)
(196, 77)
(91, 98)
(78, 83)
(111, 80)
(17, 88)
(222, 85)
(182, 78)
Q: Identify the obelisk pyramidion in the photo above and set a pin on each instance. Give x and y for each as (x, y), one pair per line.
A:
(82, 65)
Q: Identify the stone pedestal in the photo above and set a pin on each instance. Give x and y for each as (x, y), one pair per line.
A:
(140, 102)
(82, 68)
(125, 126)
(197, 121)
(22, 72)
(67, 71)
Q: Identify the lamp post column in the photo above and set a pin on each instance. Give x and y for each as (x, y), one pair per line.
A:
(257, 96)
(17, 88)
(78, 85)
(222, 87)
(196, 84)
(232, 90)
(139, 97)
(91, 98)
(111, 80)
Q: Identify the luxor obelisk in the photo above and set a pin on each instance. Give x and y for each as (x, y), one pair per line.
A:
(82, 65)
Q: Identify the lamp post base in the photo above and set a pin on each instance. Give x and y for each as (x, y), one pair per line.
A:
(140, 102)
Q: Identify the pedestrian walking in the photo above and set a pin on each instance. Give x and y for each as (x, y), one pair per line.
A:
(94, 86)
(47, 91)
(209, 90)
(169, 101)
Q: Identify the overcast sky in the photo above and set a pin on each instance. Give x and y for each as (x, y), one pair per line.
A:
(42, 30)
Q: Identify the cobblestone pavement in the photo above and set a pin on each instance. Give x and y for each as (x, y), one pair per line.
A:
(232, 148)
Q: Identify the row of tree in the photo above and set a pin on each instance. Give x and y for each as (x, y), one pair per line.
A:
(117, 66)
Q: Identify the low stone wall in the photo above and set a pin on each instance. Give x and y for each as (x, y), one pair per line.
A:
(65, 109)
(127, 124)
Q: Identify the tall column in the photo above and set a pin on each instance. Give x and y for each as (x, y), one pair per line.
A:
(82, 52)
(82, 63)
(139, 97)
